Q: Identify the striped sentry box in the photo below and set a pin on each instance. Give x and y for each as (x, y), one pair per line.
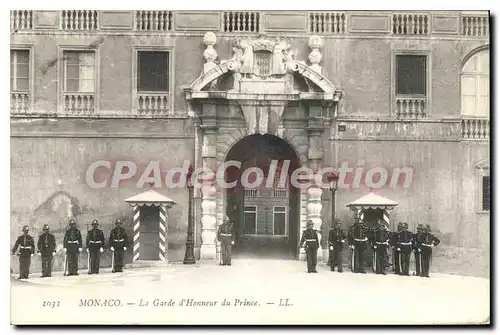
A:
(361, 214)
(386, 217)
(136, 224)
(163, 233)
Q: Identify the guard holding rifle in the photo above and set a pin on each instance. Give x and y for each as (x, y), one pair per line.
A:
(381, 239)
(336, 240)
(225, 235)
(118, 242)
(425, 242)
(72, 245)
(26, 246)
(357, 238)
(417, 241)
(404, 242)
(47, 250)
(310, 242)
(95, 246)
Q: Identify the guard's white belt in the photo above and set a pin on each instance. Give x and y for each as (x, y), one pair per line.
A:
(21, 247)
(428, 245)
(382, 242)
(72, 241)
(405, 243)
(361, 239)
(119, 240)
(310, 239)
(95, 241)
(226, 234)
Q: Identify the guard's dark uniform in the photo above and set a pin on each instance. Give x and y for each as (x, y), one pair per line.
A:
(404, 246)
(47, 249)
(118, 241)
(395, 253)
(425, 242)
(336, 240)
(225, 235)
(418, 238)
(357, 238)
(94, 244)
(26, 246)
(73, 245)
(381, 239)
(310, 242)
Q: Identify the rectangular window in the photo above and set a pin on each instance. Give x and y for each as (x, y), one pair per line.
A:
(250, 220)
(411, 75)
(19, 70)
(152, 71)
(79, 71)
(279, 219)
(486, 193)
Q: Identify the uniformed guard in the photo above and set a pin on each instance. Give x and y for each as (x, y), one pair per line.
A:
(118, 241)
(381, 239)
(26, 246)
(357, 238)
(72, 245)
(225, 235)
(429, 242)
(310, 243)
(394, 245)
(404, 242)
(47, 250)
(95, 246)
(418, 239)
(336, 240)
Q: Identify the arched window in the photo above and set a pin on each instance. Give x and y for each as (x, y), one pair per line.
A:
(475, 81)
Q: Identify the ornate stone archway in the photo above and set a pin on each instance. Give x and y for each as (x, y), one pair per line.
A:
(252, 93)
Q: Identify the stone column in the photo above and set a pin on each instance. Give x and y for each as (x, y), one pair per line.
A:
(208, 191)
(315, 158)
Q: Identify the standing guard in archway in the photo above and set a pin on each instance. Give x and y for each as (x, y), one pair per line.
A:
(418, 239)
(357, 239)
(72, 245)
(336, 240)
(225, 235)
(429, 242)
(403, 246)
(118, 241)
(381, 239)
(394, 245)
(47, 250)
(26, 246)
(310, 242)
(95, 246)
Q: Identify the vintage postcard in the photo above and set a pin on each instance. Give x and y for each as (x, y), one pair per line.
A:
(250, 167)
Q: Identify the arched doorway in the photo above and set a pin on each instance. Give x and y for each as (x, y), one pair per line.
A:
(265, 211)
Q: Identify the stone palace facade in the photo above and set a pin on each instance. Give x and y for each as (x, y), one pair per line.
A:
(370, 90)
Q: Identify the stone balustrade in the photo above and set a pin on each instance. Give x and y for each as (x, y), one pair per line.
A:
(21, 19)
(78, 103)
(418, 24)
(19, 102)
(410, 24)
(153, 20)
(152, 103)
(78, 20)
(410, 107)
(328, 23)
(280, 193)
(251, 193)
(476, 128)
(475, 25)
(241, 21)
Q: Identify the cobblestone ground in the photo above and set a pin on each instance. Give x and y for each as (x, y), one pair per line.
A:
(258, 291)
